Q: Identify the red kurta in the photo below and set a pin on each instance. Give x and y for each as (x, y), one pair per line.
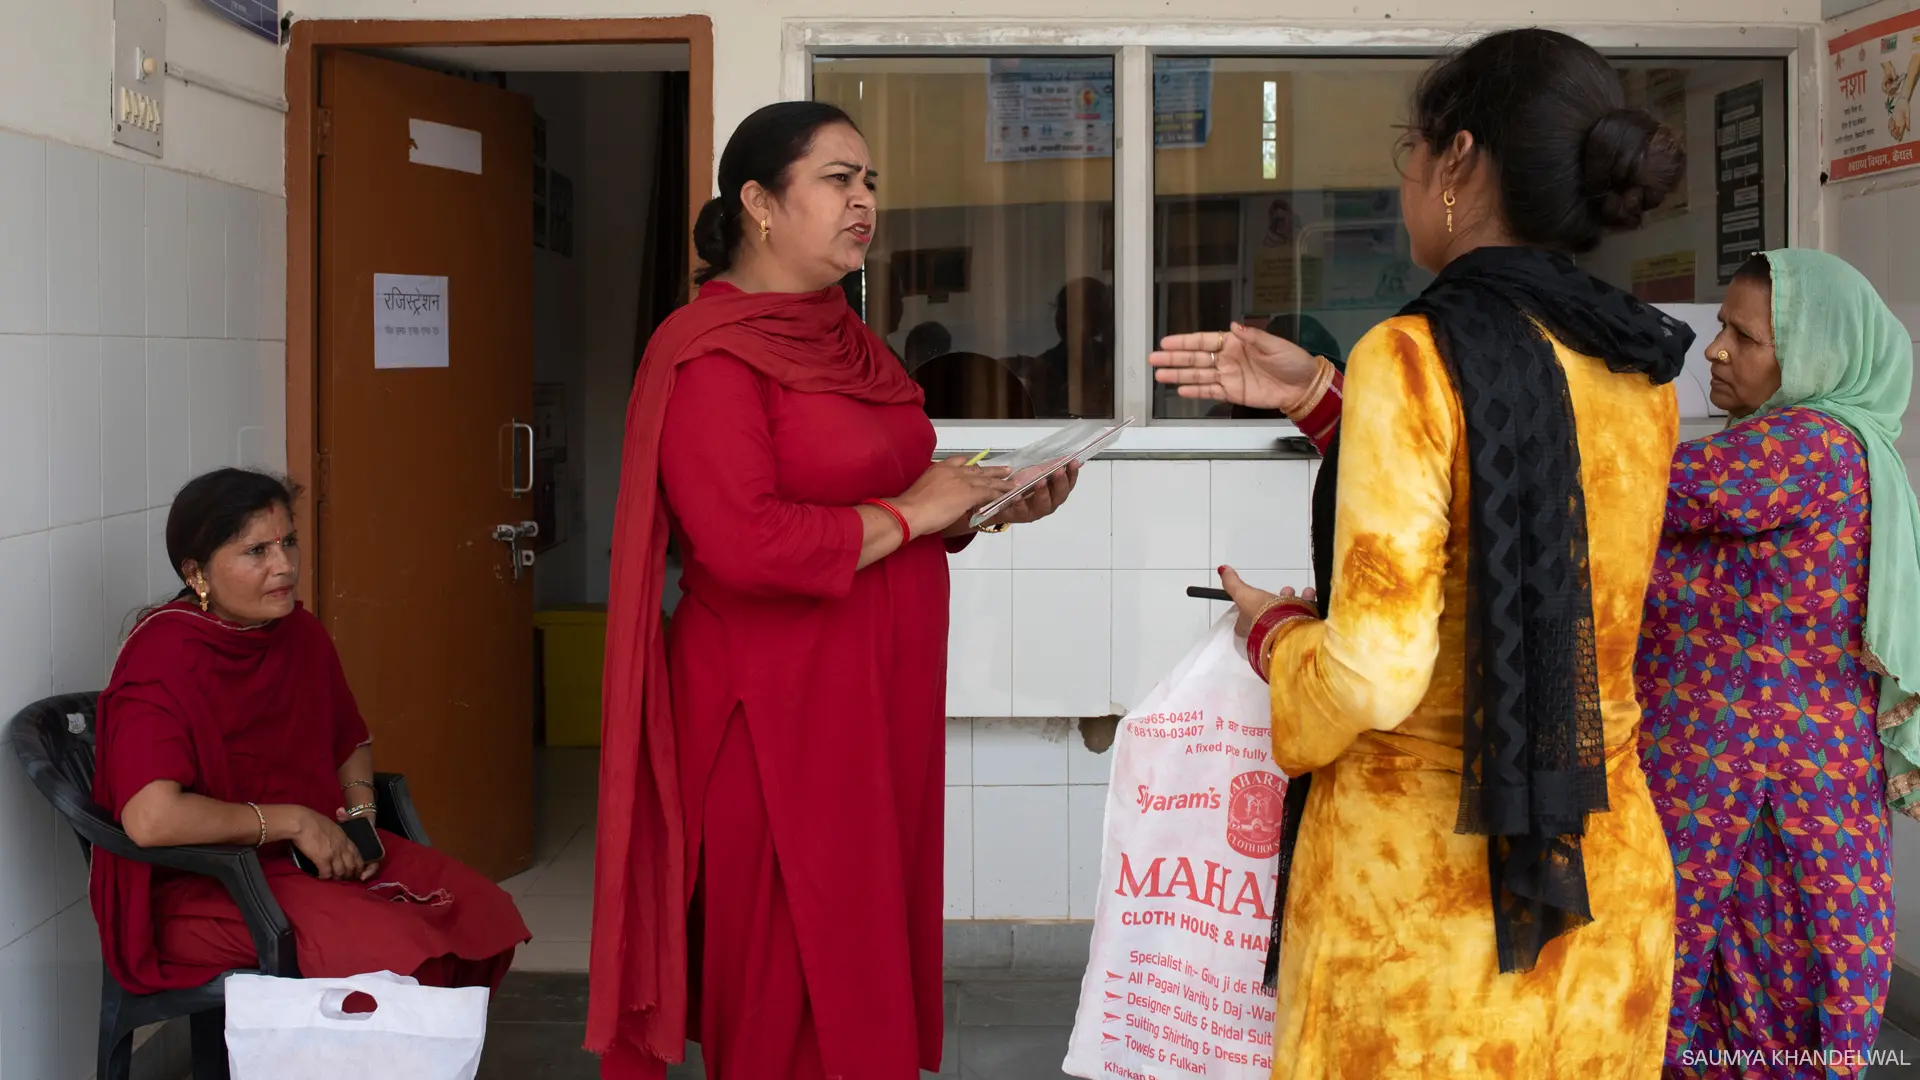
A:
(265, 716)
(807, 712)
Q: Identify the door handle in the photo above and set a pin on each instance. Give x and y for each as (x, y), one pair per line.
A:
(517, 490)
(511, 535)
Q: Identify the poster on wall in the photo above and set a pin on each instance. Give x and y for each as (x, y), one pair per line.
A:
(1870, 106)
(1063, 107)
(1662, 92)
(1053, 108)
(1182, 102)
(1739, 176)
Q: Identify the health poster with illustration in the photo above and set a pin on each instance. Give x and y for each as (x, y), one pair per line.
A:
(1051, 108)
(1054, 107)
(1870, 99)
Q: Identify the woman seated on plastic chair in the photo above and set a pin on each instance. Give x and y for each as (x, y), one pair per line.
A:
(228, 721)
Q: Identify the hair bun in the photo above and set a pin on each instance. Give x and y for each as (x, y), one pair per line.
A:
(712, 240)
(1631, 163)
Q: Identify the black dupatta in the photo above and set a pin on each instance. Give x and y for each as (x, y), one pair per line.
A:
(1533, 745)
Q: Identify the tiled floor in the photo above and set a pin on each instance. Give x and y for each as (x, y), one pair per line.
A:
(996, 1030)
(999, 1030)
(556, 895)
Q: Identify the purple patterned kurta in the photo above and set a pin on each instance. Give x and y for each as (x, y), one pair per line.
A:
(1760, 748)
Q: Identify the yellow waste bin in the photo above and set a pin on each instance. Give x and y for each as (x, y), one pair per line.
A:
(574, 638)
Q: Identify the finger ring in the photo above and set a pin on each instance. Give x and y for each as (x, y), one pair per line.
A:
(1220, 342)
(1213, 359)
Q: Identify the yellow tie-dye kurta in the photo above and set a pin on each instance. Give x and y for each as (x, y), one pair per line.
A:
(1388, 968)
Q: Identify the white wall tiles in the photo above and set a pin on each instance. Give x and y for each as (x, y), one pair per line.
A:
(131, 358)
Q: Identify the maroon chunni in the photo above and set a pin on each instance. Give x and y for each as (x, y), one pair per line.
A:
(770, 847)
(264, 715)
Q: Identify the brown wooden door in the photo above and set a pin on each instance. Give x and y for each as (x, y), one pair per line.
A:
(419, 465)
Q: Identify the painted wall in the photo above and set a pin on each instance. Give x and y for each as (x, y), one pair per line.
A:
(56, 66)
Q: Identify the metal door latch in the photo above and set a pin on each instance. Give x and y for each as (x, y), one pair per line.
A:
(511, 535)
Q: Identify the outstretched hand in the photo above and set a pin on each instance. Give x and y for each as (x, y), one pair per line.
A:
(1244, 366)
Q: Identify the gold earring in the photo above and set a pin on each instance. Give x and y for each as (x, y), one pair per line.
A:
(763, 230)
(1447, 199)
(200, 589)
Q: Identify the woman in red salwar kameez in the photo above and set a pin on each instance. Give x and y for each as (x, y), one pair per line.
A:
(769, 862)
(228, 721)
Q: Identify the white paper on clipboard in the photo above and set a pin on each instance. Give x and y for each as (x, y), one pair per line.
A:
(1033, 463)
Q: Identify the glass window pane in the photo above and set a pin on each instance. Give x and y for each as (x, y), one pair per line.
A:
(1301, 151)
(991, 270)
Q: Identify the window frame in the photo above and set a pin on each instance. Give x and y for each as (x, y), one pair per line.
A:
(1135, 45)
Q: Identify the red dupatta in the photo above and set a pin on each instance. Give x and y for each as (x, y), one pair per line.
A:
(808, 342)
(164, 673)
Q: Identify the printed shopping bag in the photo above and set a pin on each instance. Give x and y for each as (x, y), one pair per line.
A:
(1180, 930)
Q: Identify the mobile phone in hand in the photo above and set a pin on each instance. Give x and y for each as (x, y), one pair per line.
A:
(1201, 593)
(360, 830)
(365, 838)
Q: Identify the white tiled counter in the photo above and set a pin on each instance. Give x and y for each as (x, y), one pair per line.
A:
(1079, 616)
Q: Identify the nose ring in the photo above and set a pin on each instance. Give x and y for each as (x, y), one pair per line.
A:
(1722, 356)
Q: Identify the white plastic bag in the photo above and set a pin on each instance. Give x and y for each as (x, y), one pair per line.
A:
(1172, 989)
(295, 1029)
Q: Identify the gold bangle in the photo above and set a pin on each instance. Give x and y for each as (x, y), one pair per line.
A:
(262, 815)
(356, 811)
(996, 528)
(351, 784)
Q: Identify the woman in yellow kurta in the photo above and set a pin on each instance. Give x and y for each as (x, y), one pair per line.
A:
(1481, 886)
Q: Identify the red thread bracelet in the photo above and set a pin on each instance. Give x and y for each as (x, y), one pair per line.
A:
(906, 534)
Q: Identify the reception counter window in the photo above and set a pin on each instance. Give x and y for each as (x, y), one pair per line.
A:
(1270, 196)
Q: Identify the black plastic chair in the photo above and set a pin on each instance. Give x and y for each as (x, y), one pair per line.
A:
(53, 739)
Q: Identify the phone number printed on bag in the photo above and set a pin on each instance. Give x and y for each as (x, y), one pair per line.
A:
(1188, 872)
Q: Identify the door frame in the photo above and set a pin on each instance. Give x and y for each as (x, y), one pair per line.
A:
(307, 41)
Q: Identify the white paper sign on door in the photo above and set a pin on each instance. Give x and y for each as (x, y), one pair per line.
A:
(443, 146)
(409, 321)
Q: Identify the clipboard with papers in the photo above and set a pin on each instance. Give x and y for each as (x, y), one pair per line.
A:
(1032, 464)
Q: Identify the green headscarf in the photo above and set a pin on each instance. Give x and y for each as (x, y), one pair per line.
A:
(1843, 353)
